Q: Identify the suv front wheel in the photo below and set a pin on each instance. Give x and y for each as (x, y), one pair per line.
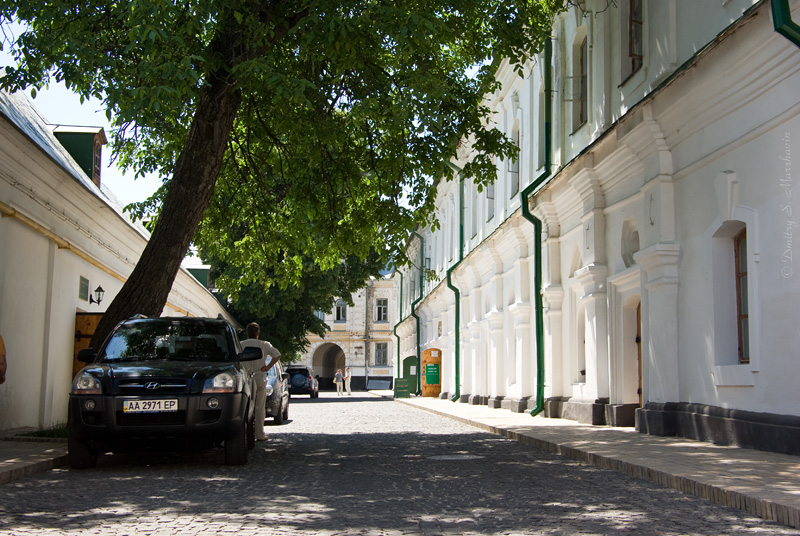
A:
(80, 454)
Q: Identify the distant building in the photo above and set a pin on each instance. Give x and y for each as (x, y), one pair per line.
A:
(361, 337)
(635, 266)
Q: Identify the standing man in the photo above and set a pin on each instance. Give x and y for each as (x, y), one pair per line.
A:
(259, 369)
(347, 380)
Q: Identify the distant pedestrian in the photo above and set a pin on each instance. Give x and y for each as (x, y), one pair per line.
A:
(347, 380)
(338, 379)
(3, 363)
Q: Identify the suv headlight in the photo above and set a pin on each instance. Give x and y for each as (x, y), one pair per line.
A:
(224, 382)
(86, 384)
(269, 390)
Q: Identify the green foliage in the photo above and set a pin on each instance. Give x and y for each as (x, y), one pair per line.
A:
(286, 314)
(350, 110)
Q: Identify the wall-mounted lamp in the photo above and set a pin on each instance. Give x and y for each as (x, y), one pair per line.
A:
(98, 295)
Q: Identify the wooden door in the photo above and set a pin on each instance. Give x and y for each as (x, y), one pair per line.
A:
(85, 324)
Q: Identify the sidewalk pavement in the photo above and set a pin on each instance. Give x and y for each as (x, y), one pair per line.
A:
(22, 456)
(761, 483)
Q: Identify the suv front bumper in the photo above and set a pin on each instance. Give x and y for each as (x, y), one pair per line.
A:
(101, 419)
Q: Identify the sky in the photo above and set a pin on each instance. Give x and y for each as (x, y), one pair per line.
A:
(60, 106)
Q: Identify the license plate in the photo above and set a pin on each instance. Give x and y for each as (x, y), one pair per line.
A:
(150, 406)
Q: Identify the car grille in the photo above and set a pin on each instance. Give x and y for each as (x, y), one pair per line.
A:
(153, 386)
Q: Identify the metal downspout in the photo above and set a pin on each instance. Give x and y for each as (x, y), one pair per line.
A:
(366, 335)
(399, 320)
(413, 309)
(457, 355)
(537, 228)
(783, 23)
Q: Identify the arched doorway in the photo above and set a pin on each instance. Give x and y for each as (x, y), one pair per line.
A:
(326, 359)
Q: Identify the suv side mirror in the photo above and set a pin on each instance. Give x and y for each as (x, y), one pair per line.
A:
(86, 355)
(284, 376)
(251, 354)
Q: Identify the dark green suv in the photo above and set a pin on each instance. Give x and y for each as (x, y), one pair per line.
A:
(170, 382)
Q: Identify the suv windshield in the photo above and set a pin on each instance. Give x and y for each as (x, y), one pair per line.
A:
(170, 340)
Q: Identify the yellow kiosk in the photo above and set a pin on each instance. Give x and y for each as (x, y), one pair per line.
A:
(431, 372)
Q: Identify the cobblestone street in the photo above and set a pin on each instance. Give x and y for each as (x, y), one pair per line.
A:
(366, 466)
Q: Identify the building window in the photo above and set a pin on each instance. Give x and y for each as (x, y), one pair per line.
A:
(341, 311)
(97, 162)
(635, 21)
(473, 206)
(320, 315)
(513, 167)
(381, 354)
(382, 310)
(490, 201)
(742, 309)
(83, 289)
(580, 108)
(541, 146)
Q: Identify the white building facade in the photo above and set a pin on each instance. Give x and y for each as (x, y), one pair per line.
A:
(635, 265)
(62, 237)
(360, 337)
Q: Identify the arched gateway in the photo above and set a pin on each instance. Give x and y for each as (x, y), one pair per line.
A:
(325, 359)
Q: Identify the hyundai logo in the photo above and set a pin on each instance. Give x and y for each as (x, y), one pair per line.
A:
(152, 385)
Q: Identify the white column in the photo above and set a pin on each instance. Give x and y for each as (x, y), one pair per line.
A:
(524, 351)
(660, 364)
(593, 280)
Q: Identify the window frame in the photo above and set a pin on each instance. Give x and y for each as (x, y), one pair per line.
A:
(97, 161)
(381, 354)
(742, 303)
(583, 79)
(636, 29)
(381, 310)
(514, 165)
(340, 312)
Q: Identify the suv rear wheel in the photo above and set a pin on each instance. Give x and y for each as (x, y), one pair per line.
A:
(236, 447)
(251, 433)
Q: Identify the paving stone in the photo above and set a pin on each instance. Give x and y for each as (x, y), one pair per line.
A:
(362, 466)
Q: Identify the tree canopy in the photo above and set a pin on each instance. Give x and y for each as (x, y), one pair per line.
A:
(288, 314)
(293, 130)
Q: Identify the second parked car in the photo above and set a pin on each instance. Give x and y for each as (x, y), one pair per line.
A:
(302, 381)
(278, 399)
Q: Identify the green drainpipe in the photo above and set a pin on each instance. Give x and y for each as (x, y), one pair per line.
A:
(783, 23)
(537, 229)
(414, 305)
(457, 355)
(400, 319)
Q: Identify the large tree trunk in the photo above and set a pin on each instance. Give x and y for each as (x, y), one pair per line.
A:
(190, 190)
